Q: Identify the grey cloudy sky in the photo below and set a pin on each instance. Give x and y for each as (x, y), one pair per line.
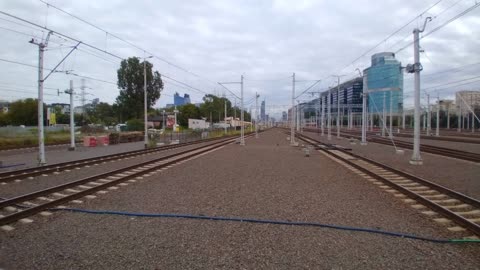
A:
(219, 40)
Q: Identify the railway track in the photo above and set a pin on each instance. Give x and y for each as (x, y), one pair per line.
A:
(443, 151)
(453, 206)
(461, 139)
(22, 207)
(18, 175)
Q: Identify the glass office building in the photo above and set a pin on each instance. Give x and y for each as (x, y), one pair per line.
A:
(385, 73)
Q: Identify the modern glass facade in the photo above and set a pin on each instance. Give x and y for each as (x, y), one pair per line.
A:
(179, 101)
(385, 72)
(350, 98)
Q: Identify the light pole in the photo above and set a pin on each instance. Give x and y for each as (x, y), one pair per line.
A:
(145, 105)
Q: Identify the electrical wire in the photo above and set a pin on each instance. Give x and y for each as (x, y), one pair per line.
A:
(65, 72)
(452, 82)
(126, 41)
(92, 47)
(459, 15)
(392, 34)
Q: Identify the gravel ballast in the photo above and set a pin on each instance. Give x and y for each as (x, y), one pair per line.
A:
(459, 175)
(40, 182)
(57, 154)
(266, 179)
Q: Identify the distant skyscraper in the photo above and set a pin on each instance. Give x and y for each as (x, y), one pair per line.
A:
(284, 116)
(262, 111)
(179, 101)
(385, 73)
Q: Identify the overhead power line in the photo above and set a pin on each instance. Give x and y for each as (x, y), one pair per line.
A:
(182, 83)
(392, 34)
(459, 15)
(58, 33)
(90, 46)
(64, 72)
(452, 82)
(125, 41)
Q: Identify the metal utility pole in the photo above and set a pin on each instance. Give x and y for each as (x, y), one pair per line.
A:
(164, 122)
(364, 109)
(256, 114)
(448, 115)
(416, 68)
(429, 116)
(322, 119)
(338, 106)
(72, 122)
(384, 114)
(242, 130)
(292, 131)
(391, 115)
(41, 80)
(145, 105)
(437, 132)
(329, 124)
(403, 117)
(242, 122)
(41, 138)
(225, 114)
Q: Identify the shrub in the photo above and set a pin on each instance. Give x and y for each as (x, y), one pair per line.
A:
(135, 125)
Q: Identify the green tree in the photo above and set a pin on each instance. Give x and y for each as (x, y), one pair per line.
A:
(187, 111)
(4, 119)
(215, 106)
(131, 81)
(24, 112)
(102, 113)
(135, 125)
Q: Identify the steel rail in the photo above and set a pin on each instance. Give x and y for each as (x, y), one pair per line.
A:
(45, 206)
(453, 153)
(35, 171)
(472, 226)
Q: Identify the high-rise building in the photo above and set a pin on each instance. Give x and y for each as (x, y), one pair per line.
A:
(350, 98)
(284, 116)
(262, 111)
(467, 100)
(384, 81)
(179, 101)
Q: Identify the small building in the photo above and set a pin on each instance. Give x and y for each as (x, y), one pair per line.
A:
(198, 124)
(64, 107)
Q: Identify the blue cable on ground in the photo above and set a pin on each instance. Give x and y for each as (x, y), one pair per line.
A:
(14, 165)
(264, 221)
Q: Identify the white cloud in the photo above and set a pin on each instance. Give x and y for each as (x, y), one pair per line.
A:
(220, 40)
